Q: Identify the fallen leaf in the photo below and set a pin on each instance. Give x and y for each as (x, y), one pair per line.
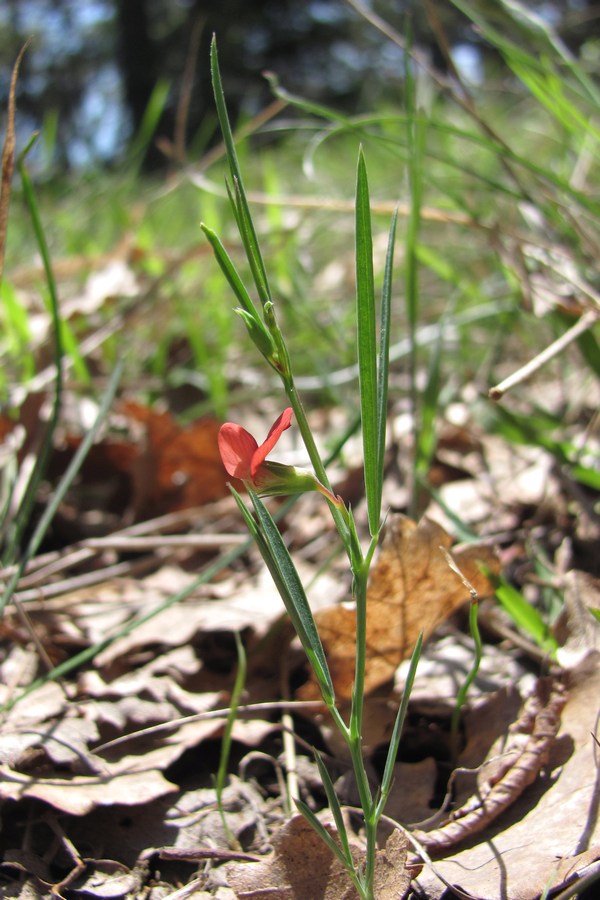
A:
(81, 793)
(177, 467)
(412, 589)
(513, 768)
(147, 464)
(582, 629)
(552, 833)
(285, 875)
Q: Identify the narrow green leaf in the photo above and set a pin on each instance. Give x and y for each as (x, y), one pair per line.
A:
(251, 245)
(586, 475)
(244, 218)
(590, 350)
(367, 345)
(323, 833)
(525, 615)
(334, 806)
(231, 274)
(383, 368)
(388, 772)
(287, 581)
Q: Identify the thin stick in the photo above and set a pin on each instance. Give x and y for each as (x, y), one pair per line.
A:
(250, 709)
(8, 156)
(154, 542)
(587, 320)
(187, 85)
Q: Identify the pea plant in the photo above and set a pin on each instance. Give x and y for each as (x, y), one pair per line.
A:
(245, 459)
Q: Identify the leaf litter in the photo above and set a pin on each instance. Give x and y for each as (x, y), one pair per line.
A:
(106, 773)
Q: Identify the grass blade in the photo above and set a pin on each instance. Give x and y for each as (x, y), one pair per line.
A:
(65, 484)
(154, 110)
(383, 367)
(525, 615)
(388, 772)
(43, 455)
(243, 216)
(324, 835)
(334, 806)
(367, 346)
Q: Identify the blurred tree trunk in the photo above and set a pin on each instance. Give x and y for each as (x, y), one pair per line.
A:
(137, 57)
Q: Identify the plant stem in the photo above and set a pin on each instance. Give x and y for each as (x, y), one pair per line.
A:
(315, 457)
(356, 719)
(462, 694)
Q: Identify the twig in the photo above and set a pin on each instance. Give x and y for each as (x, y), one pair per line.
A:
(587, 320)
(187, 84)
(248, 709)
(8, 156)
(136, 544)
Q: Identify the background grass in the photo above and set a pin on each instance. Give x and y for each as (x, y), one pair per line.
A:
(498, 201)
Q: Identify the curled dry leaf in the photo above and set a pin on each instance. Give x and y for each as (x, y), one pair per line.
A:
(517, 768)
(412, 589)
(551, 833)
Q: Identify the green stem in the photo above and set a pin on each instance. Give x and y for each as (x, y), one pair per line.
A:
(356, 719)
(234, 702)
(472, 675)
(338, 516)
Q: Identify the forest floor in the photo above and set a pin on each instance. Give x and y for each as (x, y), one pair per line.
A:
(108, 768)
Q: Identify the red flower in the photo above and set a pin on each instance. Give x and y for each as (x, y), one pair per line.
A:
(242, 456)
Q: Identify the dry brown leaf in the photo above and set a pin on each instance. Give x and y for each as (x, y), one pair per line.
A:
(80, 794)
(412, 589)
(552, 833)
(581, 628)
(285, 875)
(502, 782)
(177, 467)
(157, 467)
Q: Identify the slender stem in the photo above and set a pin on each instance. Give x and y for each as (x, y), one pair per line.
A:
(356, 719)
(309, 442)
(472, 675)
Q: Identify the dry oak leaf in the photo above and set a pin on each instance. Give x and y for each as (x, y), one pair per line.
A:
(160, 467)
(177, 467)
(79, 794)
(412, 589)
(302, 867)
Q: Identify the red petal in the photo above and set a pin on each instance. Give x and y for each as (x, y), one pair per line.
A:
(279, 426)
(237, 447)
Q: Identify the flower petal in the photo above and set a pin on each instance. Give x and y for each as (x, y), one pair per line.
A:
(237, 447)
(278, 427)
